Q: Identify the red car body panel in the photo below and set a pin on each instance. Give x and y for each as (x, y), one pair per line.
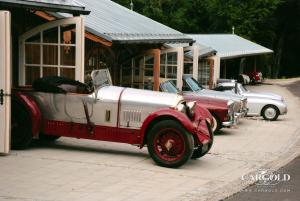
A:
(33, 110)
(103, 133)
(254, 75)
(216, 107)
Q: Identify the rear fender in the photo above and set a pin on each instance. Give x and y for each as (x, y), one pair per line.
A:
(33, 110)
(164, 114)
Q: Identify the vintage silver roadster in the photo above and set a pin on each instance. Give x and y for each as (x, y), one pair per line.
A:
(268, 105)
(173, 130)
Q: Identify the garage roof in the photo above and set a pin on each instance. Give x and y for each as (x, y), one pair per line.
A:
(204, 50)
(230, 45)
(116, 23)
(68, 6)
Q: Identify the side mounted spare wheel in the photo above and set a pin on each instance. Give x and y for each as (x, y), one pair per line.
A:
(170, 144)
(21, 133)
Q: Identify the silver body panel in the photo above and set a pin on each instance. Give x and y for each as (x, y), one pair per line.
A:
(257, 101)
(135, 105)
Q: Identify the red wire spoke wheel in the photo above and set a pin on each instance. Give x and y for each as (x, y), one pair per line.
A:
(169, 144)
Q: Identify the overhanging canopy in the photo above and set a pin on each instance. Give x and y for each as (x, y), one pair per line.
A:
(230, 45)
(118, 24)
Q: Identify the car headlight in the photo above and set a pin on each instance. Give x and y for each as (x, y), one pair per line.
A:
(190, 109)
(181, 108)
(230, 104)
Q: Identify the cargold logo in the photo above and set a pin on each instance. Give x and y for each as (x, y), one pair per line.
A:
(266, 177)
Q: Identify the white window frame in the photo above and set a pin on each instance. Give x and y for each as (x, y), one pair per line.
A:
(180, 60)
(195, 52)
(79, 47)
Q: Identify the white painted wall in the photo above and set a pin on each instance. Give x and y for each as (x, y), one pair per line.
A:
(5, 80)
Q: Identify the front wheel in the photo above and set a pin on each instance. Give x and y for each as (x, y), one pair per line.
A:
(270, 112)
(216, 124)
(170, 144)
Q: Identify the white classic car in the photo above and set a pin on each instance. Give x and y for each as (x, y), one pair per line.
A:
(267, 105)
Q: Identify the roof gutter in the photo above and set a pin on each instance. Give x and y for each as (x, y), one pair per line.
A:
(77, 10)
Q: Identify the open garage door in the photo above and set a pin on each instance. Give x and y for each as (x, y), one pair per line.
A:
(5, 80)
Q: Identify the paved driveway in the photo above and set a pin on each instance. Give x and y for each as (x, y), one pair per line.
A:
(74, 170)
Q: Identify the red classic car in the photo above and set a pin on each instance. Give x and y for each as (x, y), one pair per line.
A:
(255, 77)
(173, 130)
(221, 110)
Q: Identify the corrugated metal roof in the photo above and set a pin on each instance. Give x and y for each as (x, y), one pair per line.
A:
(69, 6)
(116, 23)
(230, 45)
(204, 50)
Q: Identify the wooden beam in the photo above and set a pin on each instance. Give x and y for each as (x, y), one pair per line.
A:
(98, 39)
(44, 15)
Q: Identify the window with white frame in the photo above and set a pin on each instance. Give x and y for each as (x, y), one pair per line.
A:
(138, 72)
(168, 66)
(52, 50)
(204, 72)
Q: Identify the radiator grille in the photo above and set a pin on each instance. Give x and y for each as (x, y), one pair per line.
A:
(132, 116)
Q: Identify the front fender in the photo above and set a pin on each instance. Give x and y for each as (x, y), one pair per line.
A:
(163, 114)
(32, 108)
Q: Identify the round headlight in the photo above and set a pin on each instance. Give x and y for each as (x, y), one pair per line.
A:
(191, 109)
(181, 108)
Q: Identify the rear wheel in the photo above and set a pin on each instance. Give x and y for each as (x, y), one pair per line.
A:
(270, 112)
(170, 144)
(21, 134)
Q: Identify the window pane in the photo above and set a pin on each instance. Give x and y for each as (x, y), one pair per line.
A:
(68, 72)
(32, 54)
(32, 73)
(50, 35)
(172, 58)
(163, 59)
(149, 73)
(188, 68)
(50, 71)
(35, 39)
(67, 55)
(162, 71)
(68, 34)
(149, 60)
(172, 72)
(50, 55)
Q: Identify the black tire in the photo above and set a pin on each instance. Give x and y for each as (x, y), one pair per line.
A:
(21, 133)
(48, 138)
(174, 133)
(199, 152)
(217, 124)
(270, 112)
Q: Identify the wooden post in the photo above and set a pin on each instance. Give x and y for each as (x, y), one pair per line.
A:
(156, 68)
